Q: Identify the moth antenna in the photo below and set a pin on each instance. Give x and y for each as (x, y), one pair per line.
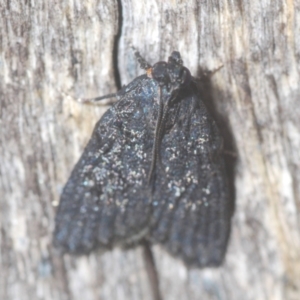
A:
(141, 60)
(208, 74)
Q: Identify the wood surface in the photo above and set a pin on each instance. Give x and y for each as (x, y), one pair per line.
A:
(52, 52)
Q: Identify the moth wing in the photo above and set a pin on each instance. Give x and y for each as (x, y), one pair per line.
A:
(105, 201)
(191, 203)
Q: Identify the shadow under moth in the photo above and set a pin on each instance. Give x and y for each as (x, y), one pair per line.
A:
(153, 170)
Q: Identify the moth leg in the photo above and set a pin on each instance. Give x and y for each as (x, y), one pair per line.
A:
(94, 101)
(97, 99)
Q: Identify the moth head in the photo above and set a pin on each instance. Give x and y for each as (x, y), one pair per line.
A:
(172, 73)
(180, 76)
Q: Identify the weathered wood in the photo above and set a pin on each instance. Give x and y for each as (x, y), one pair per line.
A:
(53, 52)
(50, 51)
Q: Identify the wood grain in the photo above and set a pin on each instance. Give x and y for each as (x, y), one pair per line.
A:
(53, 52)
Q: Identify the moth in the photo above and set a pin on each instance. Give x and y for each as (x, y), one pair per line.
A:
(153, 170)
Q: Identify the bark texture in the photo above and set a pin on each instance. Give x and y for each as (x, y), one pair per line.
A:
(52, 52)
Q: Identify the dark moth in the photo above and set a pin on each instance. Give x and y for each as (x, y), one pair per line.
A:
(153, 169)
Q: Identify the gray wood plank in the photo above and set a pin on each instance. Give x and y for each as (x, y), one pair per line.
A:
(52, 53)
